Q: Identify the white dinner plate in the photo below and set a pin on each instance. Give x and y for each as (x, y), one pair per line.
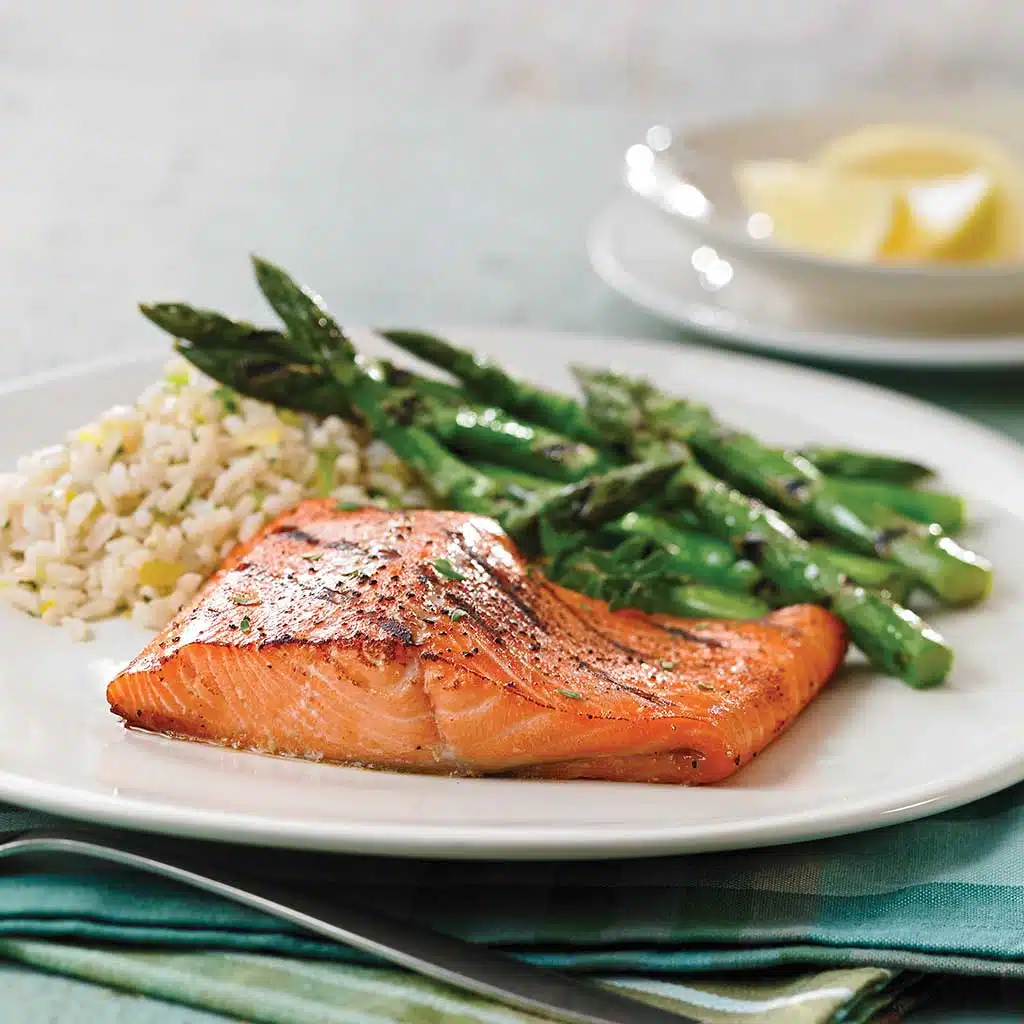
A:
(868, 752)
(636, 251)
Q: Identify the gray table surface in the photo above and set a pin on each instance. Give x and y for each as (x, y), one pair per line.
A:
(419, 162)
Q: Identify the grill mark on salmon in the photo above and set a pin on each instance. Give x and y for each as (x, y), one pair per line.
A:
(375, 551)
(534, 679)
(687, 634)
(304, 537)
(554, 591)
(399, 630)
(625, 648)
(587, 666)
(636, 691)
(496, 578)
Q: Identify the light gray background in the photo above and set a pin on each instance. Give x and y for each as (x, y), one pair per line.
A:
(417, 160)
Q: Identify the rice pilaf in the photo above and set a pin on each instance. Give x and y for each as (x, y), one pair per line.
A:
(135, 510)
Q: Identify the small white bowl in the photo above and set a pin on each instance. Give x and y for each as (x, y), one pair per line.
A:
(689, 176)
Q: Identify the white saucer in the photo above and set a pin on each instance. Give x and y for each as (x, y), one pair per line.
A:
(651, 262)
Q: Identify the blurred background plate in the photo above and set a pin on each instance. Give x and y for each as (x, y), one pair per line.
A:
(689, 175)
(650, 261)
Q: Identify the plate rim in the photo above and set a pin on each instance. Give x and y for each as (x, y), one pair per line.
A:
(518, 841)
(834, 347)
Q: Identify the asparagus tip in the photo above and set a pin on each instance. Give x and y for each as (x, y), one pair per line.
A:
(260, 265)
(153, 311)
(160, 314)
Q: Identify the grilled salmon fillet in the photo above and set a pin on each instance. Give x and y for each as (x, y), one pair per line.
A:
(422, 641)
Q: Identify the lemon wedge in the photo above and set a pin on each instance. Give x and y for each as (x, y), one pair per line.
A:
(914, 152)
(958, 219)
(964, 193)
(812, 208)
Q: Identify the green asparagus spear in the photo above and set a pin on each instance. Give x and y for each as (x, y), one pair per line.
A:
(638, 573)
(484, 432)
(316, 336)
(840, 462)
(239, 354)
(664, 597)
(431, 387)
(206, 327)
(587, 504)
(489, 434)
(269, 380)
(892, 637)
(312, 330)
(948, 510)
(952, 573)
(215, 344)
(698, 600)
(693, 554)
(516, 482)
(223, 342)
(696, 556)
(489, 383)
(872, 573)
(949, 571)
(710, 560)
(254, 361)
(679, 518)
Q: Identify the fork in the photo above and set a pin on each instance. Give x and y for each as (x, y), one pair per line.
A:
(465, 965)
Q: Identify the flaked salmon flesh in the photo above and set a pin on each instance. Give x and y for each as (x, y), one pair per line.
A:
(422, 641)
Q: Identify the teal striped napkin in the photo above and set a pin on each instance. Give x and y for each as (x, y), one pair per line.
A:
(837, 929)
(286, 990)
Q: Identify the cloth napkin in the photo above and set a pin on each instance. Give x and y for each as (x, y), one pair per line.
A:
(847, 929)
